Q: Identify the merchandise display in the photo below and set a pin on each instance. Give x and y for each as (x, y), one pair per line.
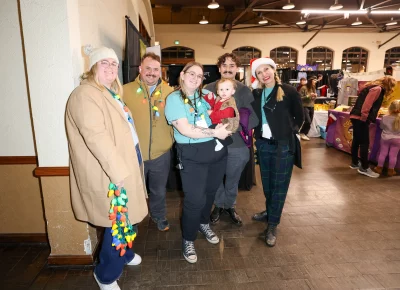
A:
(340, 134)
(319, 121)
(321, 107)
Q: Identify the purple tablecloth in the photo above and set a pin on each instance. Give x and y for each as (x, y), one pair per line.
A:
(339, 135)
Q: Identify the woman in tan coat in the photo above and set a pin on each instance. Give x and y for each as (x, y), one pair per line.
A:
(308, 95)
(104, 149)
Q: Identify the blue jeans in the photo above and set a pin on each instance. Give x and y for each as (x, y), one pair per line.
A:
(111, 264)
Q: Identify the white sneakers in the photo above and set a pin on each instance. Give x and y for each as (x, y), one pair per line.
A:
(368, 172)
(114, 285)
(304, 137)
(135, 261)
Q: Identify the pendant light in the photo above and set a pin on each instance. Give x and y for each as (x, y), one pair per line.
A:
(288, 6)
(357, 22)
(336, 6)
(391, 22)
(301, 21)
(263, 21)
(204, 20)
(213, 5)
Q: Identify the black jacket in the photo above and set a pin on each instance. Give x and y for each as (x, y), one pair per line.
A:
(284, 118)
(373, 112)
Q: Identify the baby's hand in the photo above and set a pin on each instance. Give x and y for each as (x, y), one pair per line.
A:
(210, 96)
(209, 112)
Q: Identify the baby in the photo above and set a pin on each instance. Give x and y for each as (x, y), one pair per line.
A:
(223, 109)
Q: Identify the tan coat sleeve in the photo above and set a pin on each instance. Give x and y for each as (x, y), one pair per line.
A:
(86, 112)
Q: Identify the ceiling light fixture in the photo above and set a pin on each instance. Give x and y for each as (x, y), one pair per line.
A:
(301, 21)
(318, 61)
(391, 22)
(213, 5)
(288, 6)
(326, 11)
(360, 12)
(336, 6)
(204, 20)
(263, 21)
(357, 22)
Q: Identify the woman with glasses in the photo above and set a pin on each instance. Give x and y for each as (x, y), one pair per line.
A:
(280, 109)
(202, 168)
(104, 151)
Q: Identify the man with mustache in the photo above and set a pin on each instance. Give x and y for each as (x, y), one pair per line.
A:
(145, 97)
(238, 153)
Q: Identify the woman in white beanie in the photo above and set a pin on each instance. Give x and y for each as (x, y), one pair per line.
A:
(105, 154)
(280, 109)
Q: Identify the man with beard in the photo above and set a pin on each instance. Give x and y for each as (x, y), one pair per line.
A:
(238, 153)
(145, 97)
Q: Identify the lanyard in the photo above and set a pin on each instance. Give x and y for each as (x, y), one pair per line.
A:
(125, 108)
(266, 98)
(193, 108)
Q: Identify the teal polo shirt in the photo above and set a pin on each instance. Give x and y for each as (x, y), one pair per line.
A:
(176, 109)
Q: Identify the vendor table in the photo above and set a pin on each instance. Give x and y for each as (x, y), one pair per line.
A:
(340, 135)
(320, 119)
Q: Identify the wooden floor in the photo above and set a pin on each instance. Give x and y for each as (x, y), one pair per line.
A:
(339, 230)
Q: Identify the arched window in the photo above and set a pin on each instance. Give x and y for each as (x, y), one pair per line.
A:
(284, 57)
(392, 56)
(320, 56)
(246, 53)
(355, 60)
(177, 55)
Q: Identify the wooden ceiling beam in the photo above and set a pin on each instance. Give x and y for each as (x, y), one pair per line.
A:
(247, 9)
(386, 6)
(280, 23)
(379, 4)
(267, 4)
(371, 20)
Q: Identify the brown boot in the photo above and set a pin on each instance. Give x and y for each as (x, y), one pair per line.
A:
(378, 169)
(391, 172)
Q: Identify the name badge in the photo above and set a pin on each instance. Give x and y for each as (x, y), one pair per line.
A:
(201, 123)
(266, 131)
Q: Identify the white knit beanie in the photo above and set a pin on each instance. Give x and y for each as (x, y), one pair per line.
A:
(99, 53)
(256, 63)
